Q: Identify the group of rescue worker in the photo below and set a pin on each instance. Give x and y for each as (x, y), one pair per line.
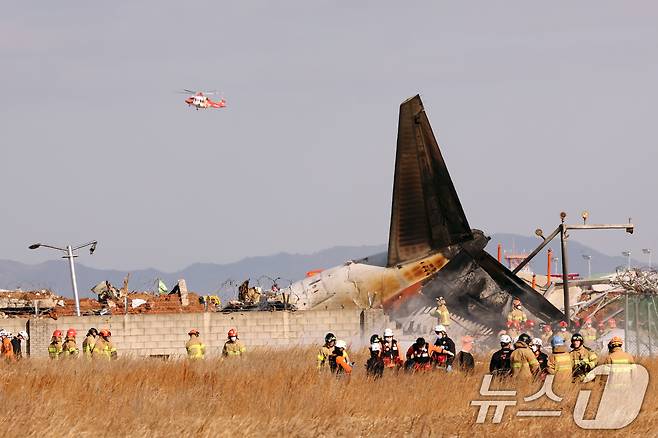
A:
(10, 345)
(387, 354)
(196, 349)
(525, 359)
(521, 354)
(97, 344)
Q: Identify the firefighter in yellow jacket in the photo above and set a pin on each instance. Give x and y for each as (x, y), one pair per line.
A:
(589, 332)
(617, 356)
(194, 346)
(583, 359)
(326, 350)
(104, 347)
(233, 347)
(522, 360)
(70, 347)
(55, 347)
(517, 314)
(441, 312)
(89, 342)
(559, 361)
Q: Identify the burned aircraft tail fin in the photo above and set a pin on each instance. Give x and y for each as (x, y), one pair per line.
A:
(426, 213)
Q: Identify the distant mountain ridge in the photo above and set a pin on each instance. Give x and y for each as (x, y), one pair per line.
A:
(209, 277)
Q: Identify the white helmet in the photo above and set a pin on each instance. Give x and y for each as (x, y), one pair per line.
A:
(505, 339)
(388, 333)
(439, 328)
(537, 342)
(3, 332)
(375, 347)
(341, 344)
(23, 334)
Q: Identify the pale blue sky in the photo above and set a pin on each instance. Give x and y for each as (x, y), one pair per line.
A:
(538, 108)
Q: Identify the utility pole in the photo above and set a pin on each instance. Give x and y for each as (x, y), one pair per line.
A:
(69, 254)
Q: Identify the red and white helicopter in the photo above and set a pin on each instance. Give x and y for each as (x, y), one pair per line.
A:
(200, 100)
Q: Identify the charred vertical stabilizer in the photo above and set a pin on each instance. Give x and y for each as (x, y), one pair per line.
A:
(426, 213)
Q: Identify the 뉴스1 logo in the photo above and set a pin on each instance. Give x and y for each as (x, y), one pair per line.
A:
(620, 403)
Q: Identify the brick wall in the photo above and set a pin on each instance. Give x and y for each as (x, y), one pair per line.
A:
(166, 334)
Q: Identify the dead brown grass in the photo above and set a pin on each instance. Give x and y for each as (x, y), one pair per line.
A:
(266, 394)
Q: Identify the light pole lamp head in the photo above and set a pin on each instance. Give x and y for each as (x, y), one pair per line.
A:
(587, 257)
(563, 216)
(584, 215)
(646, 251)
(540, 233)
(34, 246)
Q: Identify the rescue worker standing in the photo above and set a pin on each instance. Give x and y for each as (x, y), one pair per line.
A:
(522, 360)
(339, 361)
(622, 364)
(375, 363)
(566, 336)
(588, 332)
(444, 355)
(55, 347)
(542, 357)
(517, 314)
(441, 313)
(559, 361)
(547, 334)
(583, 360)
(16, 343)
(391, 353)
(104, 347)
(194, 346)
(326, 350)
(233, 347)
(70, 347)
(89, 342)
(6, 349)
(500, 361)
(617, 356)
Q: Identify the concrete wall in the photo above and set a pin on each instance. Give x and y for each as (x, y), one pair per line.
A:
(166, 334)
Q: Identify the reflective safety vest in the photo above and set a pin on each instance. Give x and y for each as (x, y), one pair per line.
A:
(70, 349)
(589, 335)
(232, 349)
(562, 363)
(55, 349)
(88, 345)
(104, 349)
(323, 355)
(195, 349)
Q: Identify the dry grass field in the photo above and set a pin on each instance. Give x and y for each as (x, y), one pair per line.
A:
(265, 394)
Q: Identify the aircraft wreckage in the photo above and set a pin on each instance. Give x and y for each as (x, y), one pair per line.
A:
(432, 251)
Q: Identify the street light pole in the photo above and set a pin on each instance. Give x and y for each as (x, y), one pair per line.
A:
(647, 251)
(68, 254)
(589, 264)
(628, 255)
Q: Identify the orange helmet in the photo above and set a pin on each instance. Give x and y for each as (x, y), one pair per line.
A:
(71, 333)
(193, 332)
(612, 323)
(233, 332)
(563, 324)
(57, 334)
(530, 323)
(616, 341)
(105, 333)
(547, 328)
